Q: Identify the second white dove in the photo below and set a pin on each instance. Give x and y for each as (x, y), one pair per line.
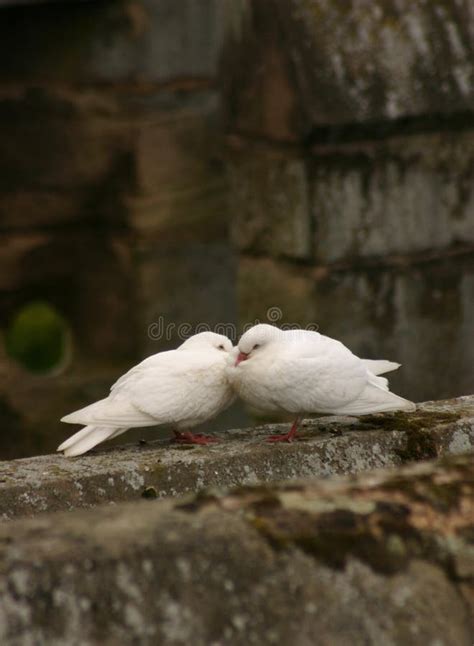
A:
(298, 371)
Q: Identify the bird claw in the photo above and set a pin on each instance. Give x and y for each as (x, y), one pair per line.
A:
(191, 438)
(280, 438)
(286, 437)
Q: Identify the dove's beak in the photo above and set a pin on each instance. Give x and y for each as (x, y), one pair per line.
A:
(241, 357)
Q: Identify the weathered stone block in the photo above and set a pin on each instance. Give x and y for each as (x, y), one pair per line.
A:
(65, 157)
(275, 292)
(269, 205)
(369, 61)
(69, 156)
(178, 169)
(326, 446)
(371, 560)
(293, 66)
(182, 284)
(260, 97)
(402, 195)
(128, 40)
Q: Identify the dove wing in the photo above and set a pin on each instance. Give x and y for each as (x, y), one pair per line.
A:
(324, 383)
(179, 388)
(165, 388)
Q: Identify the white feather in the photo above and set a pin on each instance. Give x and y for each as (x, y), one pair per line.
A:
(380, 366)
(82, 442)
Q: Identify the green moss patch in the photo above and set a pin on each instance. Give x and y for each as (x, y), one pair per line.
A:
(38, 338)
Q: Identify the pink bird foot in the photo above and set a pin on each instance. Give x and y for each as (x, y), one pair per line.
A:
(186, 437)
(286, 437)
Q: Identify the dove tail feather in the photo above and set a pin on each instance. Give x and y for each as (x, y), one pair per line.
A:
(87, 438)
(380, 366)
(375, 399)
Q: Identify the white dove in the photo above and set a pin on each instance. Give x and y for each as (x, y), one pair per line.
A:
(183, 387)
(298, 371)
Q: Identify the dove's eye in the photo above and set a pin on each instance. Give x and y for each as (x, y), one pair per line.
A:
(257, 345)
(221, 347)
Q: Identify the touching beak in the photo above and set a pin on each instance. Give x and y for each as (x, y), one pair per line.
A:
(241, 357)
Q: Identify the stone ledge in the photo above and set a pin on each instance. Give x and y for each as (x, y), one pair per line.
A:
(327, 446)
(296, 66)
(383, 558)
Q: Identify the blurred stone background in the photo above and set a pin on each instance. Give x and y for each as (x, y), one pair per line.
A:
(203, 161)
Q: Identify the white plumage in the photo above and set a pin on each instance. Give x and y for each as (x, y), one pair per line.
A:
(183, 387)
(298, 371)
